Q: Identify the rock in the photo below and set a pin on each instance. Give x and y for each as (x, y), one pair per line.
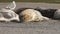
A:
(8, 15)
(57, 14)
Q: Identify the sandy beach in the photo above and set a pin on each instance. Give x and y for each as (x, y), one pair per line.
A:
(45, 27)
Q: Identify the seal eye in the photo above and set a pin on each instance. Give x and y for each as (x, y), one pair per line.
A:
(21, 17)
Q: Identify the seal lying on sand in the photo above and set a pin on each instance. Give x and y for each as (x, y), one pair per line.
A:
(7, 14)
(29, 15)
(45, 12)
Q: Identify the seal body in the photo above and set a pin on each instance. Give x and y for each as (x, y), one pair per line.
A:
(29, 15)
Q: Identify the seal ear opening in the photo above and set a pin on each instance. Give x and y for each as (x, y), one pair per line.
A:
(11, 6)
